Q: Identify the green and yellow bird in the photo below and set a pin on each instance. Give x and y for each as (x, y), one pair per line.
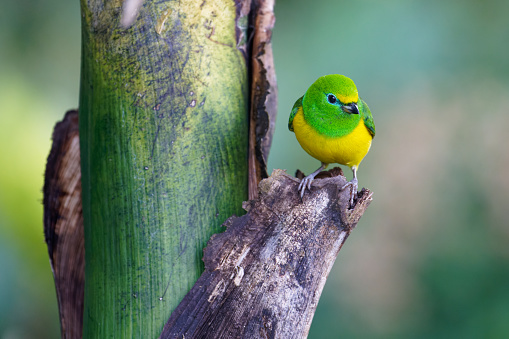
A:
(333, 125)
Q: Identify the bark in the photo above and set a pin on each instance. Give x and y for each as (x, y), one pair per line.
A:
(263, 94)
(63, 224)
(264, 276)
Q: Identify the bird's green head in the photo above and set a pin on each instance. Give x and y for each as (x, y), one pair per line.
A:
(330, 105)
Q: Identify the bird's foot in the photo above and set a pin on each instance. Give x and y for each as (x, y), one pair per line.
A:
(306, 182)
(353, 189)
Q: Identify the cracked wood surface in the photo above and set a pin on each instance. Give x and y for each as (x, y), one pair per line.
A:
(264, 275)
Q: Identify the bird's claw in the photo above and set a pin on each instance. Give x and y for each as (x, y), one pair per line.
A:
(306, 183)
(353, 189)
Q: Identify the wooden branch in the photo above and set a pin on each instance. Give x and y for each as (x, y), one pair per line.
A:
(63, 223)
(264, 275)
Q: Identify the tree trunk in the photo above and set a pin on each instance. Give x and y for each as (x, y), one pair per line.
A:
(164, 139)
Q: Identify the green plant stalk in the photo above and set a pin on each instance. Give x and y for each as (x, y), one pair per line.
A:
(164, 138)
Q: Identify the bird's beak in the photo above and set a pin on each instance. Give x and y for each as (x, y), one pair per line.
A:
(351, 108)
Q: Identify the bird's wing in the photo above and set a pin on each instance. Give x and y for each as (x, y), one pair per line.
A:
(296, 106)
(368, 118)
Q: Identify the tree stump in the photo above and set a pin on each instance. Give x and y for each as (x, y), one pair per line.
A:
(264, 275)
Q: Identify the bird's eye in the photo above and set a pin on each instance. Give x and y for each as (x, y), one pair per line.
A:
(331, 98)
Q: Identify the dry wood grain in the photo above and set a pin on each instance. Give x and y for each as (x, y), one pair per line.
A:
(264, 275)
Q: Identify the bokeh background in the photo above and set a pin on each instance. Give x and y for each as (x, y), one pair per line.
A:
(429, 259)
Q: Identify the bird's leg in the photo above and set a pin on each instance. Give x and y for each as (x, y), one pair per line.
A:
(353, 185)
(306, 182)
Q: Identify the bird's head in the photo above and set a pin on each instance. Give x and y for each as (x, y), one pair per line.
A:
(331, 105)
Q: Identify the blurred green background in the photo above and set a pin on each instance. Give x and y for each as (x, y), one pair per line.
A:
(430, 258)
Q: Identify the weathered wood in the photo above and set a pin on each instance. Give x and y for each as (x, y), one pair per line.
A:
(63, 224)
(263, 94)
(264, 275)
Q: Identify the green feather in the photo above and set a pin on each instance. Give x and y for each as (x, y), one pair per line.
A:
(295, 109)
(366, 115)
(330, 119)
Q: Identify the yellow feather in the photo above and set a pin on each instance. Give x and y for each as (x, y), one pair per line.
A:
(353, 97)
(348, 150)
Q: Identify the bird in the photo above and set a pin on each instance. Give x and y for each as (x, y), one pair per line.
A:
(333, 125)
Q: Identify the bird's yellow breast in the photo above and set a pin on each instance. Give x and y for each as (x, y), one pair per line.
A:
(347, 150)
